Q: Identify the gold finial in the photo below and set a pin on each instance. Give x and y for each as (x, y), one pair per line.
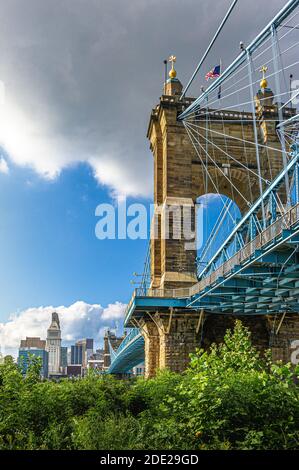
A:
(172, 72)
(263, 82)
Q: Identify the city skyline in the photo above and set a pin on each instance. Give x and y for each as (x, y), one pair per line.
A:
(40, 332)
(58, 360)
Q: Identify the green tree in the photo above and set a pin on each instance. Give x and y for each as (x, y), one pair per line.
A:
(229, 398)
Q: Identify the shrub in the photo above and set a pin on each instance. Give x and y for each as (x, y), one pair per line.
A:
(229, 398)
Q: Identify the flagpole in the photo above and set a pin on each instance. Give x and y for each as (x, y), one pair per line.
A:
(291, 83)
(219, 89)
(165, 75)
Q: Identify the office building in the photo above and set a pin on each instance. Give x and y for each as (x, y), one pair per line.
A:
(87, 349)
(74, 370)
(138, 370)
(53, 345)
(33, 347)
(76, 354)
(81, 351)
(63, 359)
(33, 342)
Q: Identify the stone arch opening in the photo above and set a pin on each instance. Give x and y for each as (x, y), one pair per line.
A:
(216, 217)
(238, 186)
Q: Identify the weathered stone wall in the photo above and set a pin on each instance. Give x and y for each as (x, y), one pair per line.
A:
(150, 333)
(169, 341)
(281, 342)
(275, 332)
(115, 342)
(177, 341)
(215, 326)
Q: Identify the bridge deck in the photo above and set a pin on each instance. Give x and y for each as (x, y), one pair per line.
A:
(129, 353)
(263, 271)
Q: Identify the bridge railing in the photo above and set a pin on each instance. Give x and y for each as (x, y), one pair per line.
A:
(266, 237)
(180, 293)
(271, 233)
(128, 338)
(169, 293)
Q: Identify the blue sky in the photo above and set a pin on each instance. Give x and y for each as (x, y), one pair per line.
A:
(49, 252)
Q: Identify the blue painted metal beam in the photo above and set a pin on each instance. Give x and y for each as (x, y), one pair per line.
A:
(152, 303)
(260, 38)
(276, 183)
(129, 353)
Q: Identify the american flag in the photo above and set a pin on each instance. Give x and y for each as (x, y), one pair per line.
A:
(215, 72)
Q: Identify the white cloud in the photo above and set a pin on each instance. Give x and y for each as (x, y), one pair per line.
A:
(3, 166)
(113, 311)
(79, 320)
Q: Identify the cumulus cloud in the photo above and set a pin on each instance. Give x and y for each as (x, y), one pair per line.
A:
(79, 320)
(113, 311)
(81, 77)
(3, 166)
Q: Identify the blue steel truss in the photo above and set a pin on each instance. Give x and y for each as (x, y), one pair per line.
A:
(129, 353)
(256, 269)
(249, 227)
(289, 7)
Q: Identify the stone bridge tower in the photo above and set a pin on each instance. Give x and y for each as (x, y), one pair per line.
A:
(170, 336)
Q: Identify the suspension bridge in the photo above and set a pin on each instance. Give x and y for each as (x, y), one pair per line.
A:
(237, 145)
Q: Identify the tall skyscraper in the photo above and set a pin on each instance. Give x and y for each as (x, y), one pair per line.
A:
(87, 349)
(76, 354)
(54, 345)
(63, 357)
(81, 351)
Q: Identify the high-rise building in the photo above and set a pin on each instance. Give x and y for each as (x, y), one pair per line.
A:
(53, 345)
(69, 356)
(81, 351)
(33, 347)
(76, 354)
(63, 356)
(33, 342)
(98, 355)
(87, 349)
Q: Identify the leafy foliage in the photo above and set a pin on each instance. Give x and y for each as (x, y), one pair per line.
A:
(229, 398)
